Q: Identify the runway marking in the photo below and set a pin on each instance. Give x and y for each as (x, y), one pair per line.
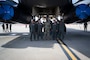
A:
(71, 55)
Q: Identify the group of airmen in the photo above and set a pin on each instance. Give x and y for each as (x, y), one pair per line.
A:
(7, 27)
(48, 29)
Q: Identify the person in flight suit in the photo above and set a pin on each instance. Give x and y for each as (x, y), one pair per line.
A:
(85, 26)
(7, 27)
(10, 27)
(3, 26)
(40, 25)
(47, 27)
(61, 30)
(32, 29)
(36, 30)
(54, 30)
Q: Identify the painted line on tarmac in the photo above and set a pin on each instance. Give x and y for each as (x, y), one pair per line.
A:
(69, 53)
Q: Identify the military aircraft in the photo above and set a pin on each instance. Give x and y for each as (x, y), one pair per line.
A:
(25, 10)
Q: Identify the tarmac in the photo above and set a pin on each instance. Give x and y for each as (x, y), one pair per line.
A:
(16, 45)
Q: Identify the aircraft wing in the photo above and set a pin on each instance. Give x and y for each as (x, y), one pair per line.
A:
(25, 10)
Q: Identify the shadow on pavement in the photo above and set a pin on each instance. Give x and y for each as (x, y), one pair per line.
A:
(24, 42)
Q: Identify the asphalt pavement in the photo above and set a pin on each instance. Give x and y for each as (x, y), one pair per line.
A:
(16, 45)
